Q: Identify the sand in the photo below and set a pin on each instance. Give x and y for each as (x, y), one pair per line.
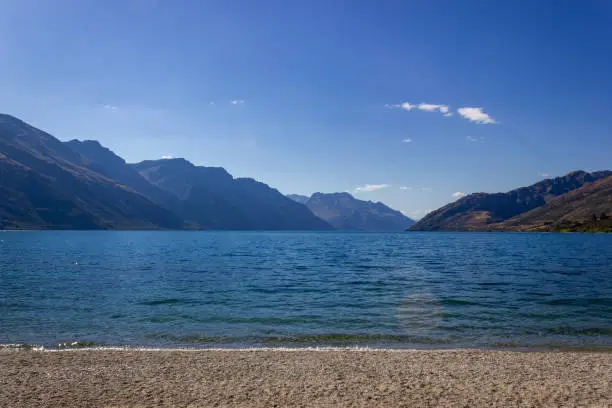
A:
(276, 378)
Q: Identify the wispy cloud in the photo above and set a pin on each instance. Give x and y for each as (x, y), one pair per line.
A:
(473, 114)
(420, 188)
(212, 103)
(472, 139)
(111, 108)
(425, 107)
(459, 194)
(404, 105)
(476, 115)
(370, 187)
(407, 140)
(545, 175)
(237, 101)
(167, 156)
(430, 107)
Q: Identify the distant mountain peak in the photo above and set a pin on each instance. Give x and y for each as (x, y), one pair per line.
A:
(343, 211)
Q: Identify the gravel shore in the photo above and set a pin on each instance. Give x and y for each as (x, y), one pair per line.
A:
(304, 378)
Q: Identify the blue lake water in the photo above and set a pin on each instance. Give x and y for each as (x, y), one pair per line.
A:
(236, 289)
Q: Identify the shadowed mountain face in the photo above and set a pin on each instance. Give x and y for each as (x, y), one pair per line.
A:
(45, 184)
(345, 212)
(227, 203)
(482, 212)
(104, 161)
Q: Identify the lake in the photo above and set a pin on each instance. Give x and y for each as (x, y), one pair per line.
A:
(302, 289)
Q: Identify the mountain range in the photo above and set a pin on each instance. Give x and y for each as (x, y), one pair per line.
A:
(345, 212)
(578, 201)
(49, 184)
(46, 183)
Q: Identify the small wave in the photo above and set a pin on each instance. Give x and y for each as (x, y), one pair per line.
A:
(493, 283)
(159, 319)
(458, 302)
(78, 344)
(169, 301)
(579, 302)
(332, 338)
(586, 331)
(20, 346)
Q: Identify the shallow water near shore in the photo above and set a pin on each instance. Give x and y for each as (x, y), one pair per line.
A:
(306, 289)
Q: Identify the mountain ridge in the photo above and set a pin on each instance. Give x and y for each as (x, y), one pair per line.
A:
(45, 184)
(488, 211)
(345, 212)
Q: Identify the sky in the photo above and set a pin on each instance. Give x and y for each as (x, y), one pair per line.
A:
(412, 103)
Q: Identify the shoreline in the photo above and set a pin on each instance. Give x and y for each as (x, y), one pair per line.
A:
(343, 377)
(78, 346)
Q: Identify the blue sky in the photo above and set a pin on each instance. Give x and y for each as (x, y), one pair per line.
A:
(324, 95)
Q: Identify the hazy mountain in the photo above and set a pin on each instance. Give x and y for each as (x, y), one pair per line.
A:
(45, 184)
(225, 202)
(299, 198)
(482, 211)
(345, 212)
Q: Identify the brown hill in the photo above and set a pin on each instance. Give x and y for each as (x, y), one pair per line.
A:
(484, 212)
(588, 208)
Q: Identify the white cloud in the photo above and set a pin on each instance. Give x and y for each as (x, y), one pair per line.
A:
(370, 187)
(420, 188)
(459, 194)
(167, 156)
(425, 107)
(111, 108)
(237, 101)
(448, 114)
(545, 175)
(407, 140)
(476, 115)
(430, 107)
(404, 105)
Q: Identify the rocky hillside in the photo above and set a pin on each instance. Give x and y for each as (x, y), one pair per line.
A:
(588, 208)
(45, 184)
(503, 211)
(223, 202)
